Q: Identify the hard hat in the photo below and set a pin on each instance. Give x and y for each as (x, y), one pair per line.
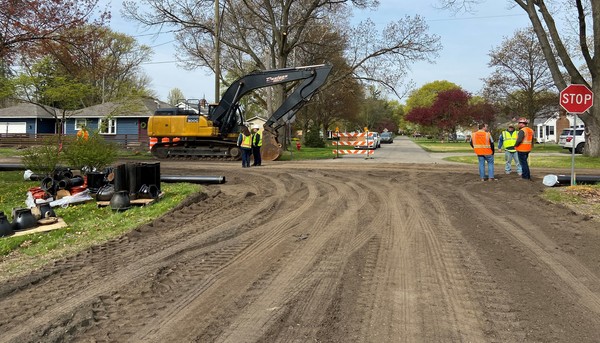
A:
(256, 126)
(523, 120)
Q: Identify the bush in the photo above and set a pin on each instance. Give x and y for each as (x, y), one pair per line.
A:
(313, 138)
(93, 153)
(43, 159)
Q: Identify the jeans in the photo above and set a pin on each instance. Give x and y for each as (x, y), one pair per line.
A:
(490, 164)
(256, 154)
(246, 152)
(509, 157)
(524, 164)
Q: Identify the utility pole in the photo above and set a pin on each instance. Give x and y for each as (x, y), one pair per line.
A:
(217, 52)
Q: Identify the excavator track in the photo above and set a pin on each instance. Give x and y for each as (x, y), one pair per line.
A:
(212, 150)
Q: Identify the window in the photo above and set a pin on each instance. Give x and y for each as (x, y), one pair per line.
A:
(80, 123)
(107, 126)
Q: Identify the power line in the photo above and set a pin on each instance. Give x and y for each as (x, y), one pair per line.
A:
(484, 17)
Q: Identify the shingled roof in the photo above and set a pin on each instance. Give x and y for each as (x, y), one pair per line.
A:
(27, 110)
(139, 107)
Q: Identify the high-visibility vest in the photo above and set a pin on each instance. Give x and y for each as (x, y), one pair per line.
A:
(83, 134)
(527, 142)
(509, 140)
(481, 143)
(255, 141)
(246, 141)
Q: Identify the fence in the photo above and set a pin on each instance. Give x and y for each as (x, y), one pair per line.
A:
(26, 140)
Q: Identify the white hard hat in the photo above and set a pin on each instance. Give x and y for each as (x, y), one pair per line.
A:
(256, 126)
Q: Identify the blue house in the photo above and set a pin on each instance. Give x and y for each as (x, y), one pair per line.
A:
(27, 118)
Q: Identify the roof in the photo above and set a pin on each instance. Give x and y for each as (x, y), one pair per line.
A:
(27, 110)
(138, 107)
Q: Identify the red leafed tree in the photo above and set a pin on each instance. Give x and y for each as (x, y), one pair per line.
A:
(451, 109)
(24, 24)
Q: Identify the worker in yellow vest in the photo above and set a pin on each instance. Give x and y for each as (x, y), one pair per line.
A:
(245, 144)
(523, 145)
(483, 145)
(256, 145)
(507, 141)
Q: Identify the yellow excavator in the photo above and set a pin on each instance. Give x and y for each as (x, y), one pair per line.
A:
(185, 133)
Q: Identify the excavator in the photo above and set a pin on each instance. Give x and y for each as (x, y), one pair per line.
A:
(185, 133)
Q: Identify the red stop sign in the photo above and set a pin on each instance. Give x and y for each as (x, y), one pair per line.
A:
(576, 98)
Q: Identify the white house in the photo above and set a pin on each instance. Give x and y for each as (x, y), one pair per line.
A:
(548, 129)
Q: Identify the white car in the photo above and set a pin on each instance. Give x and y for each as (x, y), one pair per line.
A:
(578, 142)
(373, 141)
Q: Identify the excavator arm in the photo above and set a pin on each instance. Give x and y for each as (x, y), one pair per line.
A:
(312, 77)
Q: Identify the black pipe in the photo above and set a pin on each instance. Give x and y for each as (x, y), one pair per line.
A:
(192, 179)
(579, 179)
(11, 167)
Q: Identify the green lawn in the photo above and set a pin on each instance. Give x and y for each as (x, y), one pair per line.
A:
(436, 146)
(538, 161)
(87, 223)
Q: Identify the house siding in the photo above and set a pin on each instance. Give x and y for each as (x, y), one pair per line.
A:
(29, 123)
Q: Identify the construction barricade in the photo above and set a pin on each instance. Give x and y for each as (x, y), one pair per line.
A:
(363, 143)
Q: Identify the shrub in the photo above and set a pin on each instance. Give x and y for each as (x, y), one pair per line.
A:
(44, 158)
(313, 138)
(94, 153)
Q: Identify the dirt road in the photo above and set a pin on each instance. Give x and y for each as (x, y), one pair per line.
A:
(358, 251)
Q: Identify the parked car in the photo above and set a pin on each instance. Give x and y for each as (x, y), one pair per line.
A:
(375, 138)
(387, 137)
(578, 141)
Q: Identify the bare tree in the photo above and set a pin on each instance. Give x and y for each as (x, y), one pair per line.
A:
(555, 43)
(521, 83)
(259, 34)
(175, 95)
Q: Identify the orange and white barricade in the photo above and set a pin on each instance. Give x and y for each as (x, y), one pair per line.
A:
(355, 139)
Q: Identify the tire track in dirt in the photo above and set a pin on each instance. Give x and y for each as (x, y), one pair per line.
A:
(580, 283)
(272, 235)
(316, 280)
(120, 278)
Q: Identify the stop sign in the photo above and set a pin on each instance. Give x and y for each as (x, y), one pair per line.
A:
(576, 98)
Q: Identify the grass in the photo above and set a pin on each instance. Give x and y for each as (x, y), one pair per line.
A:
(437, 146)
(584, 199)
(307, 154)
(538, 161)
(87, 224)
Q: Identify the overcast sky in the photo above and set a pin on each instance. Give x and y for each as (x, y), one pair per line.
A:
(466, 39)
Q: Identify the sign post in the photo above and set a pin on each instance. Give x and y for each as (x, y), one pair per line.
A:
(576, 99)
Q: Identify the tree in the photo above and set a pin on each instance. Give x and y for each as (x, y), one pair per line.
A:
(554, 44)
(451, 109)
(24, 24)
(43, 85)
(425, 95)
(107, 61)
(175, 95)
(270, 34)
(521, 83)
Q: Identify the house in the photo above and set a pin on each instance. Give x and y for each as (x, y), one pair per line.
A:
(26, 118)
(256, 120)
(547, 129)
(127, 119)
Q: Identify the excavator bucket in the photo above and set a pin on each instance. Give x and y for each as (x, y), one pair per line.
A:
(271, 148)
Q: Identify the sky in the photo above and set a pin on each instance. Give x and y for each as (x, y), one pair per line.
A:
(466, 38)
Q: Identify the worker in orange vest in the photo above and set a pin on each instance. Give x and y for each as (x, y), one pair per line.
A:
(523, 146)
(483, 145)
(83, 133)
